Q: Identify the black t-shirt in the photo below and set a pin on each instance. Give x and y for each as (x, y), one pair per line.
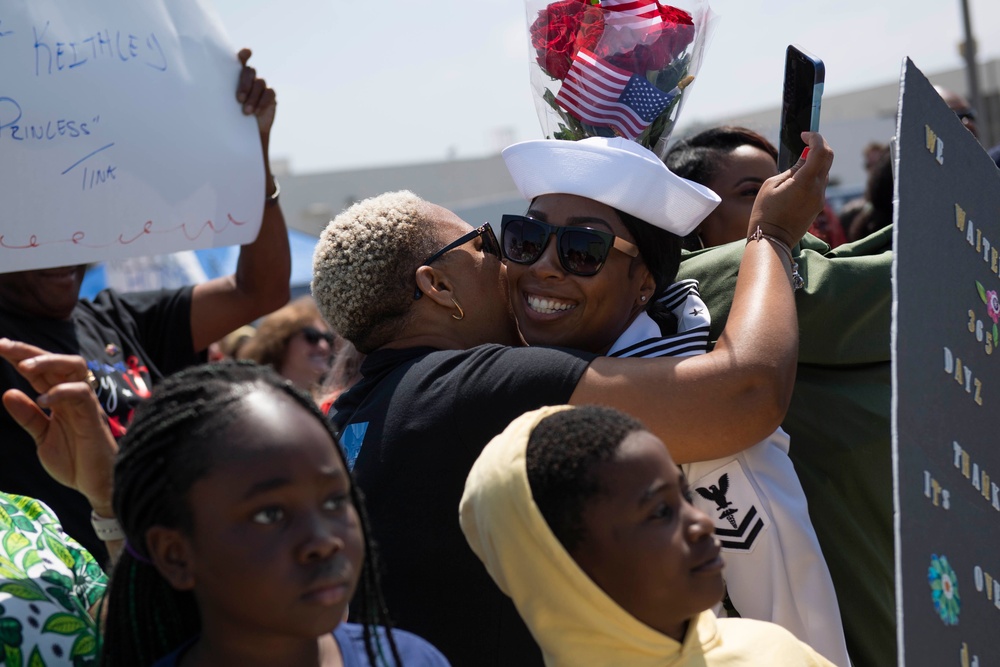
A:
(423, 417)
(130, 342)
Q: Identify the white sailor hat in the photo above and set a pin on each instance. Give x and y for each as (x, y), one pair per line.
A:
(614, 171)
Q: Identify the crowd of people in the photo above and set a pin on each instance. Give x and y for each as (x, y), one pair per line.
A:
(592, 439)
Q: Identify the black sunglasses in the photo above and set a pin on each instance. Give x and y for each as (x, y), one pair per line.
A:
(313, 336)
(490, 247)
(582, 251)
(966, 114)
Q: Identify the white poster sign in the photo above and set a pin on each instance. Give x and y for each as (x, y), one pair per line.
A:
(120, 133)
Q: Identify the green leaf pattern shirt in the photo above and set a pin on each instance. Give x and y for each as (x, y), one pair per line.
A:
(48, 583)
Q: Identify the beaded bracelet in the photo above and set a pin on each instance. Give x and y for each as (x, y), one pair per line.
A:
(797, 280)
(108, 530)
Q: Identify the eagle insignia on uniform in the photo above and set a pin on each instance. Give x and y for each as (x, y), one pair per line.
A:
(717, 494)
(742, 534)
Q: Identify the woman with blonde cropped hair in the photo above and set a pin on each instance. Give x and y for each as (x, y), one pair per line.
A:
(425, 295)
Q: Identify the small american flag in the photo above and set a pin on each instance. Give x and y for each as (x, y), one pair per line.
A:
(599, 93)
(633, 14)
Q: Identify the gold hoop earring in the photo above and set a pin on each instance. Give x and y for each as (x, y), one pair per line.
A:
(461, 313)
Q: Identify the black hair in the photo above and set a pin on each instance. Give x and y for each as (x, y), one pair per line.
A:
(168, 447)
(877, 212)
(660, 251)
(562, 454)
(701, 157)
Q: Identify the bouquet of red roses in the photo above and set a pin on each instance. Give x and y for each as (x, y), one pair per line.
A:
(615, 67)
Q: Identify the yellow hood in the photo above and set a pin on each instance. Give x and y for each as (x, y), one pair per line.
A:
(573, 620)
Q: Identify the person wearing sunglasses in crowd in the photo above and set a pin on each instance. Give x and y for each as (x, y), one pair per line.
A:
(425, 296)
(296, 342)
(592, 267)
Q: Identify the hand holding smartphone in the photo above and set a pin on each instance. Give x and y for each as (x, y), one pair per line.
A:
(800, 104)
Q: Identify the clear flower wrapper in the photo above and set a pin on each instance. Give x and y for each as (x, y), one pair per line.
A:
(605, 68)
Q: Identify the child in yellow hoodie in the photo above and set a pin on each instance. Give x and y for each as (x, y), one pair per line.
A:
(581, 516)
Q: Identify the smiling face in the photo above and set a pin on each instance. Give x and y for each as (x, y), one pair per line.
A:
(307, 356)
(51, 293)
(738, 180)
(554, 307)
(276, 547)
(644, 544)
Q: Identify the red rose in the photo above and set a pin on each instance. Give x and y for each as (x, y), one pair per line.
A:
(667, 40)
(562, 29)
(674, 15)
(657, 48)
(627, 60)
(591, 29)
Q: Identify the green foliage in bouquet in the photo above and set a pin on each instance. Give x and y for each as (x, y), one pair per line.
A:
(570, 129)
(666, 79)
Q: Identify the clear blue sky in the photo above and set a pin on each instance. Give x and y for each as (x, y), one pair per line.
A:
(381, 83)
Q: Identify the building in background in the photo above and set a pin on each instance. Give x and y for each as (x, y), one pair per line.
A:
(850, 121)
(480, 189)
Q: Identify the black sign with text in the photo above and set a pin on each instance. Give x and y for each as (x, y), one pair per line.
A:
(946, 407)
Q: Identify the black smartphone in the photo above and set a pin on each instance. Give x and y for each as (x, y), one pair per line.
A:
(800, 103)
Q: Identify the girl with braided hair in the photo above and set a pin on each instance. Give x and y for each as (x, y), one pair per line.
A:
(245, 536)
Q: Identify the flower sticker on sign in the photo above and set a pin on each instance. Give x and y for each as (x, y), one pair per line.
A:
(992, 302)
(615, 67)
(944, 589)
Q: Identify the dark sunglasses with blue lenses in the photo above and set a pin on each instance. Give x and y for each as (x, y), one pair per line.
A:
(490, 247)
(582, 251)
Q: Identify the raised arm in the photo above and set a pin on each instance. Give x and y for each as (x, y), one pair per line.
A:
(74, 442)
(260, 284)
(714, 405)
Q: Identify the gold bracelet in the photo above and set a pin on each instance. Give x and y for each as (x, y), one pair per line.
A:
(797, 280)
